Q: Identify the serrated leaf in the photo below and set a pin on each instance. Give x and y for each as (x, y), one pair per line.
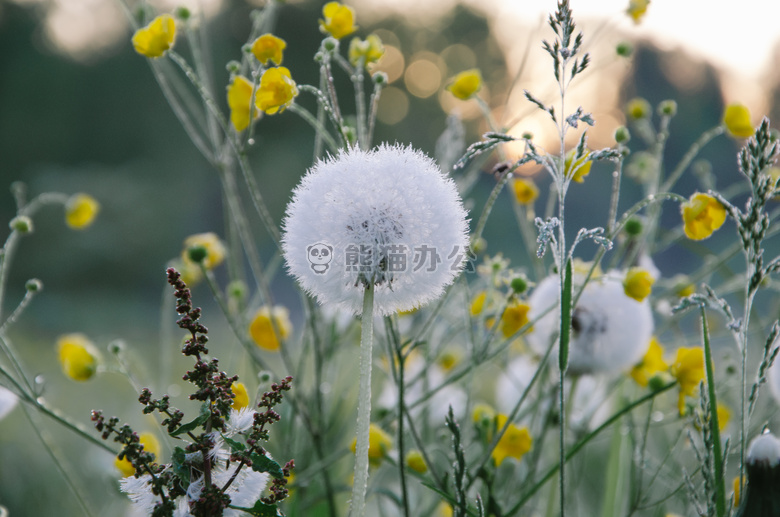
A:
(204, 415)
(260, 509)
(180, 468)
(262, 463)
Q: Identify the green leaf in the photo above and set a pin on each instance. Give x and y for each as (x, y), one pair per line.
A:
(204, 415)
(259, 510)
(262, 463)
(234, 445)
(180, 468)
(563, 350)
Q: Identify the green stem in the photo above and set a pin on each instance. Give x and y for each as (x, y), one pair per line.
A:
(690, 155)
(358, 503)
(579, 445)
(717, 453)
(316, 124)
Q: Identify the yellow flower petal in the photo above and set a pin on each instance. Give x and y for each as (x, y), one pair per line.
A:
(150, 443)
(688, 369)
(215, 250)
(157, 37)
(268, 48)
(514, 318)
(651, 364)
(638, 283)
(276, 91)
(478, 304)
(80, 211)
(637, 9)
(239, 97)
(370, 49)
(379, 443)
(514, 444)
(416, 462)
(736, 118)
(702, 214)
(466, 84)
(241, 399)
(261, 329)
(78, 357)
(525, 190)
(581, 167)
(339, 20)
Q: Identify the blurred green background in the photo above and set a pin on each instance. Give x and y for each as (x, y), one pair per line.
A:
(99, 124)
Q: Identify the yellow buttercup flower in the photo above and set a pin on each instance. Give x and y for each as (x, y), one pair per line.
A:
(514, 444)
(478, 304)
(150, 443)
(80, 211)
(262, 329)
(379, 443)
(651, 364)
(416, 462)
(638, 283)
(157, 37)
(688, 369)
(514, 318)
(702, 214)
(444, 510)
(268, 48)
(637, 9)
(736, 491)
(339, 20)
(581, 167)
(78, 357)
(370, 49)
(466, 84)
(239, 97)
(449, 360)
(215, 250)
(525, 190)
(276, 91)
(241, 399)
(736, 118)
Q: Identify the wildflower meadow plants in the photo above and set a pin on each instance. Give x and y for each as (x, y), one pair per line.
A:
(574, 377)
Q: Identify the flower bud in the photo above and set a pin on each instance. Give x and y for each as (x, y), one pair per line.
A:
(330, 44)
(667, 108)
(624, 49)
(622, 135)
(633, 227)
(197, 253)
(33, 285)
(380, 79)
(21, 224)
(519, 285)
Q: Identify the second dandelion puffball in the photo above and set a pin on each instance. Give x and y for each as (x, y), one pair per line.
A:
(386, 217)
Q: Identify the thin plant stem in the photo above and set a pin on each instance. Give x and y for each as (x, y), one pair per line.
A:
(717, 459)
(358, 503)
(703, 140)
(400, 359)
(316, 124)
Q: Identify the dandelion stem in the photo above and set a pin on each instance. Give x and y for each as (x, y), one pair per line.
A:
(358, 504)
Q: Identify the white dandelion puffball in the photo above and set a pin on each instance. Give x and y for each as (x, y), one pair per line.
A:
(387, 216)
(610, 331)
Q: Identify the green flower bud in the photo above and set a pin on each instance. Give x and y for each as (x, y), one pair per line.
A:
(528, 135)
(21, 224)
(633, 227)
(233, 67)
(479, 246)
(182, 13)
(330, 44)
(237, 289)
(519, 285)
(656, 382)
(197, 253)
(667, 108)
(33, 285)
(624, 49)
(622, 135)
(380, 78)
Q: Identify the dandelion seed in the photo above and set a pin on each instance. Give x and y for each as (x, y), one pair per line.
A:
(610, 331)
(157, 37)
(78, 356)
(269, 48)
(339, 20)
(81, 211)
(388, 217)
(702, 214)
(466, 84)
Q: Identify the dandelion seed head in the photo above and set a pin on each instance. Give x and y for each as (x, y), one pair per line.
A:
(764, 450)
(610, 331)
(394, 208)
